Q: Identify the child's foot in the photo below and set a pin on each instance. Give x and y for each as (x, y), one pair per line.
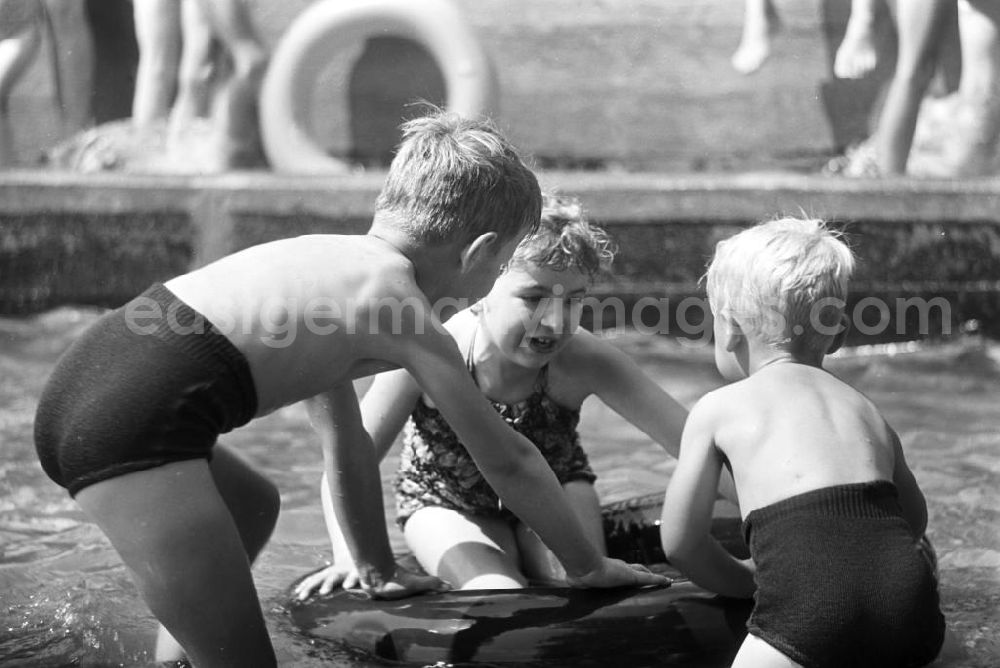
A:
(856, 56)
(750, 55)
(760, 25)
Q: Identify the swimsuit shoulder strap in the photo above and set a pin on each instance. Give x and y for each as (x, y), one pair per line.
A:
(542, 381)
(470, 363)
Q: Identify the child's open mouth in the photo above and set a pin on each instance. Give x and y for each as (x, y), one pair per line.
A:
(542, 344)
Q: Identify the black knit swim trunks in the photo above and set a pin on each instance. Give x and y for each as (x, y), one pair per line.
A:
(841, 580)
(147, 384)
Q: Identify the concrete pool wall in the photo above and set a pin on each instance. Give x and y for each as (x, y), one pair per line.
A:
(70, 239)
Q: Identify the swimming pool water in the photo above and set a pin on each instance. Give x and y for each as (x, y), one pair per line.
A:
(65, 599)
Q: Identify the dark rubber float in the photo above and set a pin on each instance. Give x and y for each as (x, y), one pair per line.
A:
(680, 624)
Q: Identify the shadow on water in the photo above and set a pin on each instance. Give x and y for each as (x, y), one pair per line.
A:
(66, 599)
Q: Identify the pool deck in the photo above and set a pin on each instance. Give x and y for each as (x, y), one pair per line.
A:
(100, 238)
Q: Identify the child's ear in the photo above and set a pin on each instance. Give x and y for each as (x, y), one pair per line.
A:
(841, 336)
(480, 247)
(733, 334)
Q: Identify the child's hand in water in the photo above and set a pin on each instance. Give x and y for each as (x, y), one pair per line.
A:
(326, 580)
(403, 583)
(616, 573)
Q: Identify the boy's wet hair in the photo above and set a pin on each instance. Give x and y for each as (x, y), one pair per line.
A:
(784, 281)
(454, 179)
(566, 240)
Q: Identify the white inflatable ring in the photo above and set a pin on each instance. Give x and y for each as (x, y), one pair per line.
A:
(437, 25)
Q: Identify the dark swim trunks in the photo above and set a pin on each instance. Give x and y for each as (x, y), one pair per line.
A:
(841, 580)
(436, 470)
(148, 384)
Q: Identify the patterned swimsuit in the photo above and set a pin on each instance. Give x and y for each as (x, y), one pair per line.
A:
(435, 469)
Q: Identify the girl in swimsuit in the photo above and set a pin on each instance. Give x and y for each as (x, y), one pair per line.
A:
(528, 354)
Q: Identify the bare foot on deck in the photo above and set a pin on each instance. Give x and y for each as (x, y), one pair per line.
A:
(760, 24)
(856, 57)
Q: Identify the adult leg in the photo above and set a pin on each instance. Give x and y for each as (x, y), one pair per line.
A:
(75, 46)
(979, 92)
(856, 56)
(194, 80)
(919, 24)
(237, 104)
(17, 50)
(537, 561)
(760, 23)
(755, 653)
(467, 552)
(253, 501)
(174, 531)
(158, 33)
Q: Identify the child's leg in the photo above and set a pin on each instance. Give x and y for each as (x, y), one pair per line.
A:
(237, 112)
(919, 24)
(254, 503)
(157, 30)
(75, 44)
(537, 561)
(175, 532)
(467, 552)
(760, 23)
(755, 653)
(856, 55)
(16, 52)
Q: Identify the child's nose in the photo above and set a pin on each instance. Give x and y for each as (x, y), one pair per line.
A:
(553, 315)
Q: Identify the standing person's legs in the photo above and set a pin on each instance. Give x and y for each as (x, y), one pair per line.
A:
(979, 91)
(919, 24)
(194, 78)
(237, 105)
(157, 31)
(18, 46)
(172, 527)
(75, 45)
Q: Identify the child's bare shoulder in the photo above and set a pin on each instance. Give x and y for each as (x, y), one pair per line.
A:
(727, 404)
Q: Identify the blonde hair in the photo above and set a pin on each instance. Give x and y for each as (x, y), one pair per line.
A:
(565, 239)
(784, 281)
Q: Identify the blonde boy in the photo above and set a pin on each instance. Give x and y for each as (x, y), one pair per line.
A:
(832, 514)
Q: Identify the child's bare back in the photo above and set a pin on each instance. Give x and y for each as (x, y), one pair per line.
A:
(821, 430)
(831, 512)
(352, 299)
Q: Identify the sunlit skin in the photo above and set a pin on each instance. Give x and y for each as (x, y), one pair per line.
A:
(783, 426)
(529, 319)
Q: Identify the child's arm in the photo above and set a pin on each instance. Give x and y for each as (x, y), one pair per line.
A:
(384, 410)
(687, 513)
(386, 406)
(512, 465)
(622, 384)
(911, 499)
(350, 466)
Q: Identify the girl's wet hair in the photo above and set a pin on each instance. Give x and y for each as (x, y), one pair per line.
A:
(566, 240)
(783, 280)
(455, 178)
